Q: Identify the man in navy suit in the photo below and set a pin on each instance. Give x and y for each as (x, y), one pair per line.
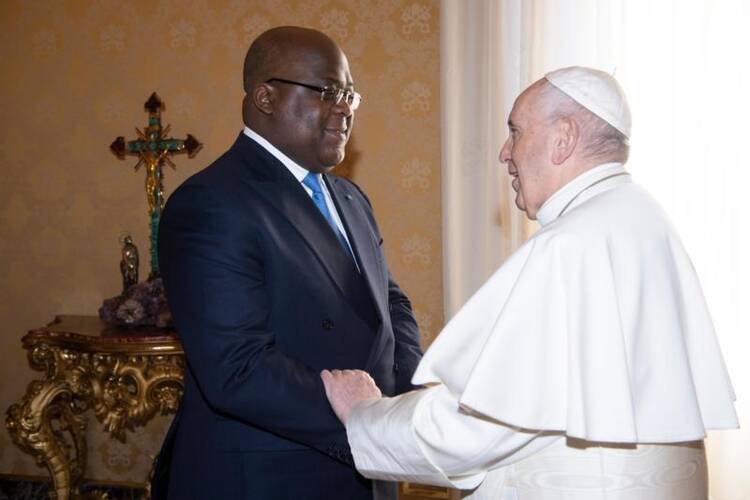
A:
(275, 270)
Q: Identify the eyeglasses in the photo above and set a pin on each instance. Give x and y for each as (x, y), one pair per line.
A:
(334, 95)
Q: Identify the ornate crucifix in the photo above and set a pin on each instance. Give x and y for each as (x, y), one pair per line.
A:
(153, 148)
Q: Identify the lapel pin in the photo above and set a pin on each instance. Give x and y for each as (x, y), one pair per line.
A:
(348, 197)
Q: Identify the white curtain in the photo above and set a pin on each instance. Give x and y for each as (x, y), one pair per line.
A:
(686, 69)
(480, 225)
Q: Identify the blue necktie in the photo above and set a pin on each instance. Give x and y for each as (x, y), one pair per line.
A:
(311, 180)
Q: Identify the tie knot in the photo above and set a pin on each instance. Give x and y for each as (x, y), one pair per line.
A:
(311, 180)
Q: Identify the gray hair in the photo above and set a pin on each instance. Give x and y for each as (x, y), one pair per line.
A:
(599, 139)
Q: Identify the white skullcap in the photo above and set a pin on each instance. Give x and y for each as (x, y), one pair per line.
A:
(596, 91)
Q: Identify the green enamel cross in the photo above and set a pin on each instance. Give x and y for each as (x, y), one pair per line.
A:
(153, 148)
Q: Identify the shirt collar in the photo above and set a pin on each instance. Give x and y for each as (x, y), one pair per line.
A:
(297, 171)
(563, 197)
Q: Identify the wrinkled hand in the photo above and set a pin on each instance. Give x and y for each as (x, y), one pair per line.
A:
(346, 388)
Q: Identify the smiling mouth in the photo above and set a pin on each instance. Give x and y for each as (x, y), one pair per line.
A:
(336, 132)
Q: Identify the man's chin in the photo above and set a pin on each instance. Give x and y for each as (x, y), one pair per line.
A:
(331, 159)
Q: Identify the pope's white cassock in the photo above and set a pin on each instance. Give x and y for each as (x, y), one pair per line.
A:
(586, 367)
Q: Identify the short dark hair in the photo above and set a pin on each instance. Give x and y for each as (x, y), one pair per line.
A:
(259, 62)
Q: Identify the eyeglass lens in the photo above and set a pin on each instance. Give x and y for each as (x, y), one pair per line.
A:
(336, 95)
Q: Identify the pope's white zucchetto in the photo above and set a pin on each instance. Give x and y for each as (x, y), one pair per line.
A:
(596, 91)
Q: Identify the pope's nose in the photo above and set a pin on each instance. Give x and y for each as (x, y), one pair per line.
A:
(504, 155)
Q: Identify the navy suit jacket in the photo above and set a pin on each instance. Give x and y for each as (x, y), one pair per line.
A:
(264, 296)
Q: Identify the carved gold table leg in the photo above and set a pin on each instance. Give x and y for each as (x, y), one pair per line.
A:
(47, 425)
(125, 378)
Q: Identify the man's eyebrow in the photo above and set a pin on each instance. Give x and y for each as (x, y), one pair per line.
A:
(337, 83)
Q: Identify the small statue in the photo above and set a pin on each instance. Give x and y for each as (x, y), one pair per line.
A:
(129, 263)
(139, 304)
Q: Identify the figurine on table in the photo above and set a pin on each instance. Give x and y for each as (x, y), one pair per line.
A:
(129, 263)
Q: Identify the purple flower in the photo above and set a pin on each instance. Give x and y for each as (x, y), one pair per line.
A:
(130, 312)
(143, 304)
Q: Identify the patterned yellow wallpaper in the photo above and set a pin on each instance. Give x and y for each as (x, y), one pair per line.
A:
(75, 75)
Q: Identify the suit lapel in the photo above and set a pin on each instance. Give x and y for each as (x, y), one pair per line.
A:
(271, 181)
(360, 237)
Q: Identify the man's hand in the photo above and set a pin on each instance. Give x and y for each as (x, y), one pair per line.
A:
(346, 388)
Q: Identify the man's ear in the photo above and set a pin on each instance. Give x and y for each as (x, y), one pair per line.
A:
(567, 134)
(263, 97)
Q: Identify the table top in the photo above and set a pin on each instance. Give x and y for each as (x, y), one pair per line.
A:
(91, 334)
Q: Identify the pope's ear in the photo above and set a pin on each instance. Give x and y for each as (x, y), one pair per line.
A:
(263, 97)
(567, 134)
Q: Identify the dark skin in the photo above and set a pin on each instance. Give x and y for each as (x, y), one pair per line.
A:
(311, 132)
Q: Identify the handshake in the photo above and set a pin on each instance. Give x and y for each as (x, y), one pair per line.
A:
(346, 388)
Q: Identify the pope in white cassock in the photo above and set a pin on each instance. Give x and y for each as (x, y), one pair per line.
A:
(587, 366)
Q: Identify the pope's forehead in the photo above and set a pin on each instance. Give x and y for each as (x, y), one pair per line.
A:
(527, 101)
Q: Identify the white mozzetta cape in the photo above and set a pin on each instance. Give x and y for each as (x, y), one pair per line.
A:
(595, 329)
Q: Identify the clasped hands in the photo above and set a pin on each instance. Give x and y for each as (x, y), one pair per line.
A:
(346, 388)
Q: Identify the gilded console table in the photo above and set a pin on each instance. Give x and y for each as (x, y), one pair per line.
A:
(125, 375)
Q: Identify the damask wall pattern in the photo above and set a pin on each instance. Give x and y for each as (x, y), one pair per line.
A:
(75, 75)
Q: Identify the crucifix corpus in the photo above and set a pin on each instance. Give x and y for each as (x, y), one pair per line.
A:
(153, 149)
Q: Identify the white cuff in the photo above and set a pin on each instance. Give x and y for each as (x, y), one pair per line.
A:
(385, 445)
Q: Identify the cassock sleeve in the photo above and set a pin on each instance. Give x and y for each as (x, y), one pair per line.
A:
(424, 437)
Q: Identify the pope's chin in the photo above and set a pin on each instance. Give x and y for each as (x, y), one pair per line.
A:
(522, 206)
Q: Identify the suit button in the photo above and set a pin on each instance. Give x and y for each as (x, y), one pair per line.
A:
(327, 324)
(395, 367)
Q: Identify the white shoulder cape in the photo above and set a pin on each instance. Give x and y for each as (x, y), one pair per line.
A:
(596, 327)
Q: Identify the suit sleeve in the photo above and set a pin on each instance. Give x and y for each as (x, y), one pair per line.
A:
(408, 351)
(213, 270)
(425, 437)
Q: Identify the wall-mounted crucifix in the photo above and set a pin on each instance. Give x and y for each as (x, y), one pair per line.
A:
(153, 148)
